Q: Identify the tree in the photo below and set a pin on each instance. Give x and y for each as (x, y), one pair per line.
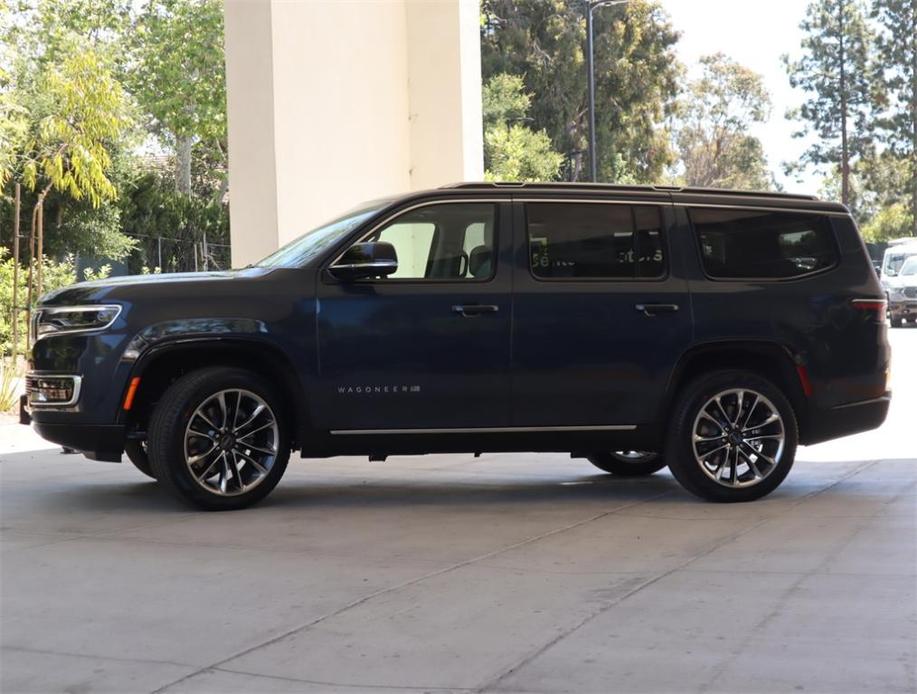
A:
(544, 42)
(180, 78)
(714, 120)
(835, 71)
(896, 121)
(513, 152)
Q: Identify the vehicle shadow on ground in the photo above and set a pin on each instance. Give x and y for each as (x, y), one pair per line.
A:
(404, 489)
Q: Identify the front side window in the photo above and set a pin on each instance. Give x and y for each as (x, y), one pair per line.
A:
(451, 241)
(595, 241)
(754, 244)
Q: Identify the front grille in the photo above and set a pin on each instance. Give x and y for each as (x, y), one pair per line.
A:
(910, 292)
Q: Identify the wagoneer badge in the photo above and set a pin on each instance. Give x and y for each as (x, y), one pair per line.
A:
(377, 390)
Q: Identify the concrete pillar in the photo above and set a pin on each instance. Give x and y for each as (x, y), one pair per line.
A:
(333, 102)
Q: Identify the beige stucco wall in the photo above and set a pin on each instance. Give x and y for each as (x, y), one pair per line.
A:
(332, 102)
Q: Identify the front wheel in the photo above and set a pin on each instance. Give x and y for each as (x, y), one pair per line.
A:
(628, 463)
(733, 437)
(218, 439)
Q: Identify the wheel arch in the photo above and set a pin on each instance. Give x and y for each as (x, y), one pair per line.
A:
(772, 360)
(161, 365)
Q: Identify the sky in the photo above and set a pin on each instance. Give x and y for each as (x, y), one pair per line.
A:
(755, 34)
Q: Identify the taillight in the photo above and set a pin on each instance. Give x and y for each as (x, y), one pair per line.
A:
(878, 305)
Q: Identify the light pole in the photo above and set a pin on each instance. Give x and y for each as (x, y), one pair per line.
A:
(590, 6)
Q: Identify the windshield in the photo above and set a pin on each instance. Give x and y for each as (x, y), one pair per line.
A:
(300, 251)
(910, 266)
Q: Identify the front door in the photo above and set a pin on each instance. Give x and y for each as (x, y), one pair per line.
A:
(601, 313)
(427, 347)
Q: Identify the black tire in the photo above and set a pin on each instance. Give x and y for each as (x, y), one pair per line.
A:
(136, 453)
(897, 322)
(624, 464)
(166, 437)
(679, 450)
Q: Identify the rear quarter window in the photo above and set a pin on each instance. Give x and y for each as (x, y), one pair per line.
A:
(755, 244)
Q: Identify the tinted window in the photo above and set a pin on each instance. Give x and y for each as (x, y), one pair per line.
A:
(755, 244)
(594, 240)
(449, 241)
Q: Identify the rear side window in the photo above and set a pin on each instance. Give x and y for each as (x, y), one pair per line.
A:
(745, 244)
(595, 241)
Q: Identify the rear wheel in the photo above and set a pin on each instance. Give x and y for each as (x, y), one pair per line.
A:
(628, 463)
(733, 437)
(136, 453)
(218, 439)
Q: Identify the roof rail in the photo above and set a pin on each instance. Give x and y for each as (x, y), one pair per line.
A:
(622, 187)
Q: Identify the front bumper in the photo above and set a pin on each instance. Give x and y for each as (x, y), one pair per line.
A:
(95, 441)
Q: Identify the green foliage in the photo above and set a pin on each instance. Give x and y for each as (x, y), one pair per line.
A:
(10, 378)
(180, 77)
(896, 112)
(504, 99)
(835, 72)
(513, 152)
(151, 208)
(714, 119)
(55, 274)
(80, 108)
(544, 42)
(890, 222)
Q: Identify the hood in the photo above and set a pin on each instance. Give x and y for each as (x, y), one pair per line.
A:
(114, 288)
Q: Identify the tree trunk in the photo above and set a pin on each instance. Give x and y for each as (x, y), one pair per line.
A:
(183, 146)
(845, 153)
(16, 210)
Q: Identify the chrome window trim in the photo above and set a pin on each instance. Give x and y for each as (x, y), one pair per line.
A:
(77, 387)
(40, 311)
(485, 430)
(397, 213)
(765, 208)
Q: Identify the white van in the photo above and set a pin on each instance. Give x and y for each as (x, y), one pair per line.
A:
(897, 252)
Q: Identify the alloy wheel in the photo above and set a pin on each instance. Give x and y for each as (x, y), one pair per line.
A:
(231, 442)
(738, 438)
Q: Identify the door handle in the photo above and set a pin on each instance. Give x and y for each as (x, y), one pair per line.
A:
(472, 310)
(655, 309)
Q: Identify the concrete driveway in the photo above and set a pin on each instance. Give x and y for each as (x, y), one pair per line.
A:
(516, 573)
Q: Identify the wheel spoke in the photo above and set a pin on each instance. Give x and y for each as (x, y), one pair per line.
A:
(252, 417)
(751, 410)
(255, 431)
(201, 434)
(266, 451)
(200, 413)
(258, 466)
(206, 473)
(221, 400)
(722, 410)
(195, 459)
(707, 416)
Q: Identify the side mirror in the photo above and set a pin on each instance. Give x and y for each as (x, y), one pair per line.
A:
(362, 260)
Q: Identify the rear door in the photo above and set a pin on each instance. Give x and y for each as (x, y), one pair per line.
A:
(601, 311)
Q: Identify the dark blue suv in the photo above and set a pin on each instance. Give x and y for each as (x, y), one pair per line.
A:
(704, 330)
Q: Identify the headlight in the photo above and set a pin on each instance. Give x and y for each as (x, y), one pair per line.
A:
(895, 293)
(57, 320)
